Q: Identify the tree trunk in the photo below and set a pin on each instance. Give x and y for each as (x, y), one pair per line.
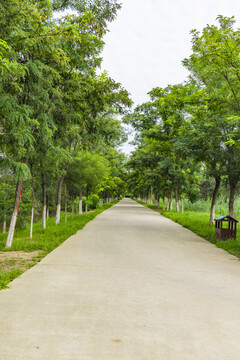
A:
(182, 204)
(163, 203)
(171, 201)
(72, 206)
(31, 225)
(214, 199)
(76, 204)
(233, 187)
(4, 224)
(65, 187)
(5, 201)
(177, 200)
(80, 202)
(14, 214)
(47, 214)
(59, 198)
(168, 203)
(44, 193)
(32, 215)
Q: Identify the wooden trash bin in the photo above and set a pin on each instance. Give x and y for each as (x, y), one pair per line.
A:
(225, 227)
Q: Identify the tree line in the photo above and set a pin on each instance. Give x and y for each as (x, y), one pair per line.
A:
(188, 133)
(59, 126)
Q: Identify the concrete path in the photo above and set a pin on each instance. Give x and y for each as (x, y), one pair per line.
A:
(131, 285)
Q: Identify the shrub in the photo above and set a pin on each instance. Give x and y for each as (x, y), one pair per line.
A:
(93, 201)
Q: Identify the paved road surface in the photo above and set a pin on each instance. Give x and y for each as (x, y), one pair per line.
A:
(131, 285)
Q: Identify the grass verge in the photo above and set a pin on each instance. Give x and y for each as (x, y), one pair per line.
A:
(43, 242)
(198, 222)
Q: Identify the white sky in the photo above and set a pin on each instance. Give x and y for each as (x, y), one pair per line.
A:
(150, 38)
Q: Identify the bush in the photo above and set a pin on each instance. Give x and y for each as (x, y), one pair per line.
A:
(93, 201)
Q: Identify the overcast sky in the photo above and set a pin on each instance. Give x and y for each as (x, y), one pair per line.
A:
(150, 38)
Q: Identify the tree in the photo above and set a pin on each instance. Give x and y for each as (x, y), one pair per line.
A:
(214, 65)
(52, 102)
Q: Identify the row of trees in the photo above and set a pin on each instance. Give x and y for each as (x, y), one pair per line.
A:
(58, 115)
(190, 131)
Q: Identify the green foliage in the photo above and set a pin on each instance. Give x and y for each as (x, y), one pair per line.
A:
(112, 187)
(92, 201)
(53, 105)
(189, 133)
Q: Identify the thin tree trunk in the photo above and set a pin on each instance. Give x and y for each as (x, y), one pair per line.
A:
(214, 199)
(171, 201)
(47, 200)
(80, 202)
(76, 204)
(14, 214)
(32, 215)
(86, 207)
(182, 204)
(233, 187)
(168, 203)
(177, 200)
(4, 224)
(65, 187)
(163, 203)
(5, 201)
(86, 204)
(72, 206)
(59, 198)
(44, 193)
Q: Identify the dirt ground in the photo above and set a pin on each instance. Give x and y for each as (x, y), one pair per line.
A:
(18, 259)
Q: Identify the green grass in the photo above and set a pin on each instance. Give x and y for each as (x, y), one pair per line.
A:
(198, 222)
(7, 276)
(44, 240)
